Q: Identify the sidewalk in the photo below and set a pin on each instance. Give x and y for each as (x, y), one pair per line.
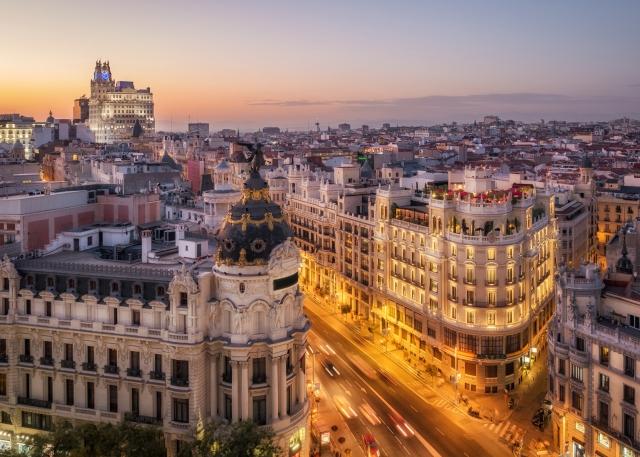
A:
(516, 422)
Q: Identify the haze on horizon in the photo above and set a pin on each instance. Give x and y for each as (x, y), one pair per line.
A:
(250, 64)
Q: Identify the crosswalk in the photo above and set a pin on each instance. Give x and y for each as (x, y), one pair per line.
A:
(506, 430)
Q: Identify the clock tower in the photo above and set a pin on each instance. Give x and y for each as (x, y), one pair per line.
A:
(102, 82)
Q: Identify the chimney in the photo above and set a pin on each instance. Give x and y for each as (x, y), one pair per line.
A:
(146, 245)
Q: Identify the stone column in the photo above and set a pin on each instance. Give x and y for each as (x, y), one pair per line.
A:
(282, 393)
(244, 386)
(214, 386)
(235, 390)
(274, 388)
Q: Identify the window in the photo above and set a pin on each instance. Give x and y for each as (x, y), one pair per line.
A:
(113, 398)
(513, 343)
(181, 410)
(634, 321)
(580, 344)
(90, 355)
(576, 372)
(159, 412)
(469, 252)
(135, 401)
(603, 412)
(47, 309)
(260, 410)
(561, 366)
(180, 372)
(27, 347)
(492, 345)
(37, 421)
(491, 254)
(227, 407)
(629, 426)
(91, 395)
(27, 306)
(3, 384)
(157, 363)
(561, 393)
(68, 352)
(604, 440)
(184, 299)
(604, 356)
(509, 369)
(468, 343)
(629, 366)
(471, 317)
(491, 318)
(509, 317)
(137, 289)
(115, 287)
(629, 394)
(259, 370)
(69, 387)
(135, 317)
(114, 316)
(470, 368)
(603, 382)
(450, 337)
(576, 400)
(491, 371)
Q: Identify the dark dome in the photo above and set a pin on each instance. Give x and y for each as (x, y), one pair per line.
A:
(253, 226)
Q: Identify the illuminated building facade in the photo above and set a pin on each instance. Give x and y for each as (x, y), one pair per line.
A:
(116, 107)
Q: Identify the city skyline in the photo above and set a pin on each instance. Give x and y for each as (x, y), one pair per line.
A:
(254, 65)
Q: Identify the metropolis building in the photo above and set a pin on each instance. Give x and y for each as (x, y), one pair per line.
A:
(118, 324)
(116, 107)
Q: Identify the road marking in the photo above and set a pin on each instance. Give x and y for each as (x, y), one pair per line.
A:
(439, 431)
(467, 455)
(413, 408)
(420, 438)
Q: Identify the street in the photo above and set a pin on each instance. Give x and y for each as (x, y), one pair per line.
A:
(380, 403)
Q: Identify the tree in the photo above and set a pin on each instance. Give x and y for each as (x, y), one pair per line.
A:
(241, 439)
(104, 440)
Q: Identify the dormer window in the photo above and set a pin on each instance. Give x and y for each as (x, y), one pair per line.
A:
(49, 282)
(115, 287)
(160, 292)
(137, 289)
(29, 280)
(183, 299)
(71, 284)
(92, 285)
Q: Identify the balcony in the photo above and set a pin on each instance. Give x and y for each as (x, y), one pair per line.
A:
(134, 372)
(47, 361)
(491, 282)
(69, 364)
(33, 402)
(111, 369)
(469, 281)
(89, 366)
(150, 420)
(157, 375)
(179, 382)
(24, 358)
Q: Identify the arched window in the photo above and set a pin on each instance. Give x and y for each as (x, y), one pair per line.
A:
(115, 287)
(137, 289)
(71, 283)
(160, 291)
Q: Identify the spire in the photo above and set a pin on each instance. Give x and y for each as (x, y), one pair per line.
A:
(624, 264)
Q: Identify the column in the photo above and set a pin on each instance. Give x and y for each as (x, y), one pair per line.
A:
(235, 385)
(274, 388)
(244, 396)
(214, 386)
(282, 391)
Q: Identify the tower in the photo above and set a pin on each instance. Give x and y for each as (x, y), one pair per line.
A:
(102, 81)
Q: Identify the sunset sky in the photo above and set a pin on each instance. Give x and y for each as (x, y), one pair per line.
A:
(248, 64)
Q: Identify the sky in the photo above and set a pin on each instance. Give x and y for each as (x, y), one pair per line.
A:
(249, 64)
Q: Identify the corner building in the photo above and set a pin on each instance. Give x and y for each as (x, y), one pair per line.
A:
(464, 277)
(142, 335)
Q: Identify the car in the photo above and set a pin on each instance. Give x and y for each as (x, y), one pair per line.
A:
(370, 445)
(345, 408)
(330, 368)
(401, 425)
(386, 377)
